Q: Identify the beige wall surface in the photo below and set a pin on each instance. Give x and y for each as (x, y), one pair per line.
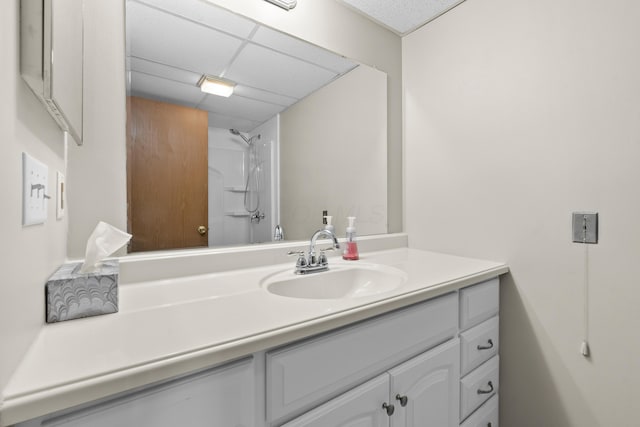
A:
(97, 183)
(96, 179)
(517, 113)
(333, 156)
(28, 255)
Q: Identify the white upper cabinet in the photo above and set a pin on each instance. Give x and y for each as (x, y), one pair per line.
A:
(51, 58)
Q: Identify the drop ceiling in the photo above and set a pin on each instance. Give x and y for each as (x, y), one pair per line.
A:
(402, 16)
(172, 43)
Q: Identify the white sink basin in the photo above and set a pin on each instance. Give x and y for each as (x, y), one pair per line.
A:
(341, 281)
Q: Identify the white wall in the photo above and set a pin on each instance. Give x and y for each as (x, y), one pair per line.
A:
(28, 255)
(97, 187)
(333, 156)
(97, 170)
(517, 113)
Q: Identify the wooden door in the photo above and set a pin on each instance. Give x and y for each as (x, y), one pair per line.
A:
(167, 161)
(428, 386)
(360, 407)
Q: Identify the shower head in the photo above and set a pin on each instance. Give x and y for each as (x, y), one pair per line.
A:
(237, 132)
(249, 141)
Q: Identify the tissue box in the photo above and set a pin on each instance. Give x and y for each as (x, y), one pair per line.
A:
(72, 295)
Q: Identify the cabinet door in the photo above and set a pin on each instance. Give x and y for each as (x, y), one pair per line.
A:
(360, 407)
(217, 397)
(428, 386)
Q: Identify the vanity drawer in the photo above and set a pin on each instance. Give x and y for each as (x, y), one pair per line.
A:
(303, 375)
(479, 344)
(485, 416)
(479, 386)
(479, 302)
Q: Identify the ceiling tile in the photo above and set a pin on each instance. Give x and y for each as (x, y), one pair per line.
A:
(402, 16)
(187, 45)
(237, 106)
(261, 95)
(225, 122)
(303, 50)
(208, 14)
(257, 66)
(164, 71)
(164, 90)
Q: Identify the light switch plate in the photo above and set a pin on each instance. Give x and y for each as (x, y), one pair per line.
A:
(61, 201)
(35, 185)
(585, 227)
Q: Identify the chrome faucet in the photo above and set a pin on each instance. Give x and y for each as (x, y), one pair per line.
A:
(278, 233)
(313, 263)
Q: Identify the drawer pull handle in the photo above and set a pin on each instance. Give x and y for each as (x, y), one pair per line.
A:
(481, 391)
(389, 408)
(403, 400)
(486, 347)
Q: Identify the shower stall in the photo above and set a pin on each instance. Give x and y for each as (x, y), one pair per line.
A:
(242, 185)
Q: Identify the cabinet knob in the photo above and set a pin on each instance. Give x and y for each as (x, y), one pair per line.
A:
(490, 390)
(202, 230)
(389, 408)
(403, 400)
(486, 347)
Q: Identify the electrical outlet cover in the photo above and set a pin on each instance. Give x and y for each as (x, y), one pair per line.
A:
(35, 183)
(585, 227)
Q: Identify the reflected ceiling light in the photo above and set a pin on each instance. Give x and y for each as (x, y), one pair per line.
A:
(216, 86)
(285, 4)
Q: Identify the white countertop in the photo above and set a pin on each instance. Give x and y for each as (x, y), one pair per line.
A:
(173, 326)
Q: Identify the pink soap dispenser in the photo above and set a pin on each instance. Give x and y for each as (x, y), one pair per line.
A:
(351, 251)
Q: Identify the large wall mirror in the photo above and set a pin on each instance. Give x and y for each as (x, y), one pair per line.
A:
(304, 131)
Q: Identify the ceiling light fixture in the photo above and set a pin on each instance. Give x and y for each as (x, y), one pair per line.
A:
(285, 4)
(216, 86)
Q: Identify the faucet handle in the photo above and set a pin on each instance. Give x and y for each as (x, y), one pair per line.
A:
(301, 261)
(322, 259)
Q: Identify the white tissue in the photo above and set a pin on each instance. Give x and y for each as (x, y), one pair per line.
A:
(105, 240)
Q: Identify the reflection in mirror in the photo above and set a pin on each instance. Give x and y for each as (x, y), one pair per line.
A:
(304, 131)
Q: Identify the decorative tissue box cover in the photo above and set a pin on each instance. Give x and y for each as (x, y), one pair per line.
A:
(72, 295)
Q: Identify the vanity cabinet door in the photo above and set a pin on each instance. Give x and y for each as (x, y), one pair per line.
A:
(217, 397)
(360, 407)
(427, 386)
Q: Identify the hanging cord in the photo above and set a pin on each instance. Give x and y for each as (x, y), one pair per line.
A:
(584, 349)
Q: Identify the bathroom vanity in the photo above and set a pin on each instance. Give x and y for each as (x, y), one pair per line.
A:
(223, 349)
